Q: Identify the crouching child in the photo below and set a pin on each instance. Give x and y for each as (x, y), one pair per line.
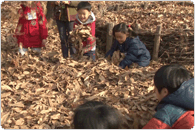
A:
(135, 51)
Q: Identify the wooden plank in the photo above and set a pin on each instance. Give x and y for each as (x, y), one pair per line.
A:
(109, 36)
(157, 43)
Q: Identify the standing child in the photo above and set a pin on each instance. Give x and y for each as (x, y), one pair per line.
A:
(31, 30)
(174, 88)
(96, 115)
(86, 17)
(134, 50)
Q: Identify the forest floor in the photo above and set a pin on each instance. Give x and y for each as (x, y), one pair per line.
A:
(42, 91)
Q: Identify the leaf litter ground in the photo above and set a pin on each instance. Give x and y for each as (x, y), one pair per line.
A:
(42, 91)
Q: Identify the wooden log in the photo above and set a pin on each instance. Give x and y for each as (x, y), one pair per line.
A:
(145, 5)
(101, 9)
(116, 8)
(157, 43)
(109, 37)
(137, 27)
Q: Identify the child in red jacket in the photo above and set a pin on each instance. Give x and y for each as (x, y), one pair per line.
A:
(31, 30)
(86, 17)
(174, 88)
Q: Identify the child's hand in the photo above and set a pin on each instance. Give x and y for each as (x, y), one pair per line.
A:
(20, 33)
(57, 2)
(65, 2)
(44, 41)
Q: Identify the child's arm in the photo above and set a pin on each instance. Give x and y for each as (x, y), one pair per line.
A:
(113, 48)
(42, 24)
(156, 124)
(93, 29)
(71, 3)
(18, 34)
(91, 41)
(131, 56)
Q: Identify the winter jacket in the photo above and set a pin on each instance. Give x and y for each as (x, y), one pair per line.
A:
(176, 111)
(135, 52)
(65, 12)
(90, 41)
(34, 30)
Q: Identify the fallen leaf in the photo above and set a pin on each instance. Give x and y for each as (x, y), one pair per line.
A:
(19, 121)
(6, 87)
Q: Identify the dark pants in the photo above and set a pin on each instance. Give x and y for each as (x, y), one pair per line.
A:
(64, 27)
(90, 54)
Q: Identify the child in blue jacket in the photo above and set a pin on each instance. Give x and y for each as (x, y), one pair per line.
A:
(134, 49)
(174, 88)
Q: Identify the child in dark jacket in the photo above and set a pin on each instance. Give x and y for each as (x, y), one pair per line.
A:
(86, 17)
(174, 88)
(134, 50)
(96, 115)
(31, 30)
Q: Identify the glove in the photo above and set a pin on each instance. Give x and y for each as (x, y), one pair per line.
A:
(107, 54)
(122, 64)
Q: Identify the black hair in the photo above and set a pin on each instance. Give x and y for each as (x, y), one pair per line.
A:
(84, 5)
(96, 115)
(123, 28)
(171, 77)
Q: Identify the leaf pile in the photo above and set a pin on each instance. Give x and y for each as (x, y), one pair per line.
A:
(79, 34)
(42, 90)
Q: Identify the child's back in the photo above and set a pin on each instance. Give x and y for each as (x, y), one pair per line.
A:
(175, 110)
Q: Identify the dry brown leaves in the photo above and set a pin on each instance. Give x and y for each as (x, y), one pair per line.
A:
(177, 19)
(42, 91)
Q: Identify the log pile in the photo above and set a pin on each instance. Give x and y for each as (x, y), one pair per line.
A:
(177, 26)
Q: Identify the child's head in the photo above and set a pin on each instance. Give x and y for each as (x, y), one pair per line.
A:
(121, 32)
(84, 11)
(169, 78)
(96, 115)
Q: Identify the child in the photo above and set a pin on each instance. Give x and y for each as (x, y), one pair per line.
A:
(86, 17)
(134, 50)
(174, 89)
(31, 30)
(96, 115)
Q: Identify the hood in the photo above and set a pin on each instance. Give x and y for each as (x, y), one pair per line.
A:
(23, 6)
(183, 97)
(90, 19)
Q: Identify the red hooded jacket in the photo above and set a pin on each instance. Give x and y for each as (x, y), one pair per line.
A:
(32, 30)
(176, 111)
(91, 40)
